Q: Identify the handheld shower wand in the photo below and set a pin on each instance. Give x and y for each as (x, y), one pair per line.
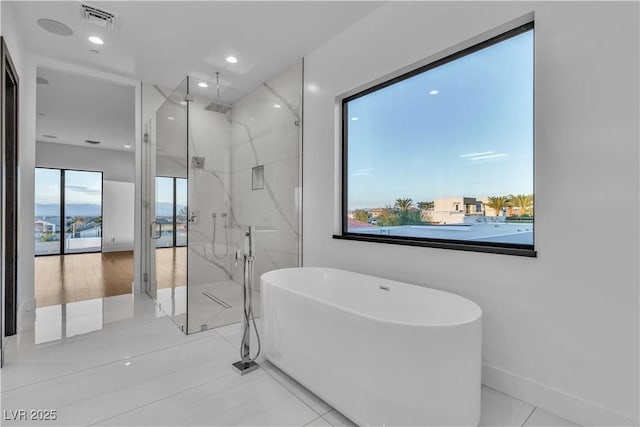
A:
(226, 239)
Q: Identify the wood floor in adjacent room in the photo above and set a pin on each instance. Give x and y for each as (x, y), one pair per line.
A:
(78, 277)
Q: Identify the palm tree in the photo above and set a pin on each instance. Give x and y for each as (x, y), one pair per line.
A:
(522, 201)
(498, 202)
(404, 204)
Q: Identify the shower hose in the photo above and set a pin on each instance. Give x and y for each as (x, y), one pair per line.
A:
(226, 240)
(248, 311)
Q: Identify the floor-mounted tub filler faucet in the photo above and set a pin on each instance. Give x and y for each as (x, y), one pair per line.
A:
(246, 363)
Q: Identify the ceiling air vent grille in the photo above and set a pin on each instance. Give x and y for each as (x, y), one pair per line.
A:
(97, 16)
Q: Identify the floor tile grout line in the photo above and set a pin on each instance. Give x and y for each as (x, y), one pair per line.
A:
(222, 375)
(162, 398)
(101, 365)
(527, 419)
(291, 391)
(225, 338)
(315, 419)
(506, 394)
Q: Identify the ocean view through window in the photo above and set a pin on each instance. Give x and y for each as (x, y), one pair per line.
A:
(443, 155)
(68, 211)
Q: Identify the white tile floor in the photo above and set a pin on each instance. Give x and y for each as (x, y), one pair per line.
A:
(134, 367)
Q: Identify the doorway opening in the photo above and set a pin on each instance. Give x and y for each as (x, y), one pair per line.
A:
(84, 189)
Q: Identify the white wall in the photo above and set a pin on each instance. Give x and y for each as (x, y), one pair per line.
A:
(115, 165)
(268, 136)
(560, 330)
(117, 216)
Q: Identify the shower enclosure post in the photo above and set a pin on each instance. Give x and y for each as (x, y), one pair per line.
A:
(247, 364)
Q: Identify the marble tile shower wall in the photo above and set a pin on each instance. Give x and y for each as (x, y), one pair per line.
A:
(209, 194)
(266, 131)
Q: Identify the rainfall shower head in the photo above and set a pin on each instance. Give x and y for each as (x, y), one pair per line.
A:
(217, 107)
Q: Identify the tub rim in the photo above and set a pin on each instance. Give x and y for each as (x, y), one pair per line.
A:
(366, 315)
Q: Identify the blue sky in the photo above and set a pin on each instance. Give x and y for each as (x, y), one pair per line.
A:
(472, 138)
(80, 187)
(164, 190)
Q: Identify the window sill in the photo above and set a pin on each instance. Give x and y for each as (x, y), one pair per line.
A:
(502, 250)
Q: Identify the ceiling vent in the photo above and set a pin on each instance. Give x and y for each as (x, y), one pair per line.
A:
(97, 16)
(88, 141)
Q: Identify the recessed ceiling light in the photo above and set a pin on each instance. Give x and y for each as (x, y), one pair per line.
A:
(171, 118)
(55, 27)
(276, 105)
(203, 84)
(42, 81)
(232, 59)
(355, 119)
(434, 92)
(50, 136)
(96, 40)
(127, 146)
(183, 102)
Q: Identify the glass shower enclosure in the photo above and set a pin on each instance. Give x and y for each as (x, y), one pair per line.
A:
(213, 166)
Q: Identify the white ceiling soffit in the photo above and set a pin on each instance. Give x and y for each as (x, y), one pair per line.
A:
(75, 108)
(160, 42)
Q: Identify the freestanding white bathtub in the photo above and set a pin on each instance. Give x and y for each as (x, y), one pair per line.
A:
(379, 351)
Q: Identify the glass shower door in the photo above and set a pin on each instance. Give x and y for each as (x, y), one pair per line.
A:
(167, 202)
(216, 166)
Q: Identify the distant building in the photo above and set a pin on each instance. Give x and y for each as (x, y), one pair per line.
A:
(452, 210)
(44, 227)
(86, 231)
(375, 213)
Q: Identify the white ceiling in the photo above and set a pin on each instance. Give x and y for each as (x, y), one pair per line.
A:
(160, 42)
(77, 108)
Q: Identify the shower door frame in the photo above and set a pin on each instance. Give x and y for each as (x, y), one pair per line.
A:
(148, 173)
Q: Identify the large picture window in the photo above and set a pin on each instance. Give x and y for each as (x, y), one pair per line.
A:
(68, 211)
(171, 211)
(443, 155)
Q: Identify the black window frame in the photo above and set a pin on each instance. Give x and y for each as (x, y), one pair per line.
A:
(175, 212)
(464, 245)
(63, 171)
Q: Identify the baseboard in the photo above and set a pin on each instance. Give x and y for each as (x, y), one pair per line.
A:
(555, 401)
(117, 248)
